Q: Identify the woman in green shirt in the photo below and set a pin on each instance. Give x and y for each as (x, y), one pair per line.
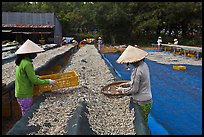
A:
(25, 75)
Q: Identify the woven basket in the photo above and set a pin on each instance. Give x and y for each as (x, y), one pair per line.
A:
(112, 86)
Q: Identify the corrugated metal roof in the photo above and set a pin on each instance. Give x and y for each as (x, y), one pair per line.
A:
(28, 26)
(28, 18)
(6, 30)
(21, 32)
(44, 20)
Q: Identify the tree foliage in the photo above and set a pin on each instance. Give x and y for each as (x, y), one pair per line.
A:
(121, 22)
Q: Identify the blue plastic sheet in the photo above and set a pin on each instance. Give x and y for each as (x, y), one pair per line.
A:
(68, 39)
(177, 97)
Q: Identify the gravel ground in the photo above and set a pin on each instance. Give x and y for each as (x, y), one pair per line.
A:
(7, 54)
(165, 58)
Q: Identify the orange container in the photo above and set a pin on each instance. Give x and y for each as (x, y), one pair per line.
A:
(63, 80)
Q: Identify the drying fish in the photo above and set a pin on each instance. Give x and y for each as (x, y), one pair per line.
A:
(106, 116)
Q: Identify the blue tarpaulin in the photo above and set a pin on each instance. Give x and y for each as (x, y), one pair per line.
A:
(68, 39)
(177, 97)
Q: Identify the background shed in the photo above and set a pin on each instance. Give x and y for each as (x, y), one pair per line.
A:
(21, 26)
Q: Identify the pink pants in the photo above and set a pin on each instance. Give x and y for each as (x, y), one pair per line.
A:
(25, 104)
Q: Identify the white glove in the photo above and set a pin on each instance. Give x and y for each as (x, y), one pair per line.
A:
(52, 82)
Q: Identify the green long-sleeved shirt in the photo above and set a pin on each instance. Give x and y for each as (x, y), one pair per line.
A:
(26, 78)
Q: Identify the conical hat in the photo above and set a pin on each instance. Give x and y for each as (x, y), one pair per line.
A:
(29, 47)
(131, 54)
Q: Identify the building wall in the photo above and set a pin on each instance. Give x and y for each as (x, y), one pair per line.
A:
(34, 18)
(57, 32)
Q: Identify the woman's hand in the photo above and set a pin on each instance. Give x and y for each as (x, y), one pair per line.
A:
(52, 82)
(119, 89)
(124, 85)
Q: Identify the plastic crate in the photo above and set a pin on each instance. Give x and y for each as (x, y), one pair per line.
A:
(179, 67)
(81, 45)
(190, 55)
(177, 53)
(63, 80)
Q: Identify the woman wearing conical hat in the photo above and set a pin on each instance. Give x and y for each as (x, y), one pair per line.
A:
(159, 42)
(176, 41)
(25, 75)
(99, 44)
(140, 88)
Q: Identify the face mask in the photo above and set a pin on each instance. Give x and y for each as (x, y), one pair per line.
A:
(33, 55)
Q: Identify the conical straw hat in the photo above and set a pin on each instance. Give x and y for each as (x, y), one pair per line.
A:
(131, 54)
(29, 47)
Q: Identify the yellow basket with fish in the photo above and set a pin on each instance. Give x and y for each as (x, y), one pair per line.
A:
(63, 80)
(190, 55)
(179, 67)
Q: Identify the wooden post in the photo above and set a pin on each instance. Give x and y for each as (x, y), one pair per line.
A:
(184, 52)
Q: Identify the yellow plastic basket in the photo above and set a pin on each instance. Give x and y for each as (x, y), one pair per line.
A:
(81, 45)
(63, 80)
(179, 67)
(190, 55)
(177, 53)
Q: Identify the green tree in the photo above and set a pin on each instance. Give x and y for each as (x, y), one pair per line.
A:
(121, 22)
